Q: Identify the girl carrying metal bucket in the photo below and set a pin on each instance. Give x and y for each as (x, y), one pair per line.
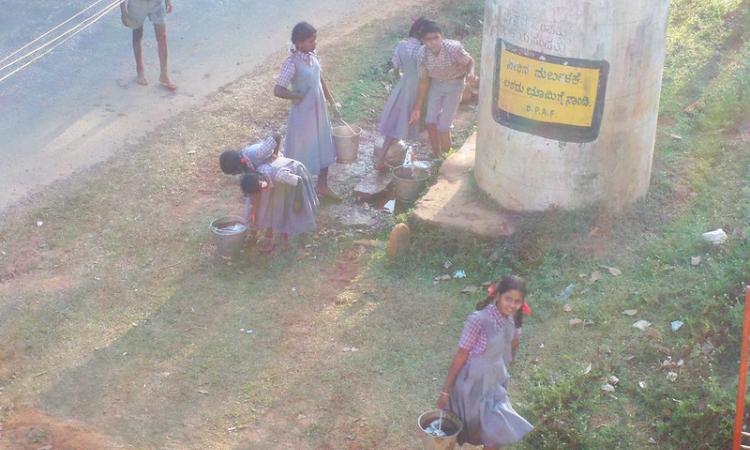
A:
(476, 386)
(308, 137)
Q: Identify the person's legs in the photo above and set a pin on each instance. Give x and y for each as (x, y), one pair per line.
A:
(160, 29)
(446, 141)
(138, 53)
(432, 132)
(451, 99)
(434, 106)
(380, 154)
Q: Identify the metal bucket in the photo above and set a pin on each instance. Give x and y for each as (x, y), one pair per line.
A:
(409, 182)
(347, 143)
(394, 154)
(228, 240)
(452, 426)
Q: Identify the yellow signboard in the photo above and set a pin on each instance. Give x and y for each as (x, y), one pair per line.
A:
(533, 89)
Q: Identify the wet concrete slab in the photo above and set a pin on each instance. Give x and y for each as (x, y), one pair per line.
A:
(454, 201)
(372, 186)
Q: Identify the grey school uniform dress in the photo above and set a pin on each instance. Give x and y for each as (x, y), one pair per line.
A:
(394, 122)
(291, 204)
(308, 137)
(480, 396)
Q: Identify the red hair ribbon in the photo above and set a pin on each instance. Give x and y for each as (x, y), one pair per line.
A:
(491, 289)
(526, 309)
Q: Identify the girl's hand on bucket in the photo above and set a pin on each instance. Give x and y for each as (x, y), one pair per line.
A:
(442, 400)
(415, 116)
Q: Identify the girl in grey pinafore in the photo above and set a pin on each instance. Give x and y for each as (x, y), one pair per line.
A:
(480, 394)
(286, 208)
(394, 122)
(308, 137)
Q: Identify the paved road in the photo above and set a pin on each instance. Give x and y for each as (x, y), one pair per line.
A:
(74, 107)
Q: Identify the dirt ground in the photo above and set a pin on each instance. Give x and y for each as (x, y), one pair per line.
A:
(119, 328)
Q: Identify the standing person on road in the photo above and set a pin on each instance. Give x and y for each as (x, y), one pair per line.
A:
(476, 387)
(394, 123)
(445, 66)
(308, 138)
(134, 13)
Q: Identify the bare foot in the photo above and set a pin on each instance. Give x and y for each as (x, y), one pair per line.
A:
(266, 247)
(141, 79)
(326, 192)
(167, 83)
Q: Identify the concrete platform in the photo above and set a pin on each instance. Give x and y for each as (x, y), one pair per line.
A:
(454, 202)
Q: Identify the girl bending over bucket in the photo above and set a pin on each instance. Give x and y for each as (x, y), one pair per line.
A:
(278, 191)
(394, 122)
(282, 201)
(309, 137)
(475, 388)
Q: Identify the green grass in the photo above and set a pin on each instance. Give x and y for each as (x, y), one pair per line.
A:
(188, 315)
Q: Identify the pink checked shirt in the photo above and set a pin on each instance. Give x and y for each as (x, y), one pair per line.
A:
(447, 65)
(473, 337)
(288, 68)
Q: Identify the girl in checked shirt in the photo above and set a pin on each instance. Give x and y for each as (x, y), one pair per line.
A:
(308, 137)
(444, 68)
(475, 388)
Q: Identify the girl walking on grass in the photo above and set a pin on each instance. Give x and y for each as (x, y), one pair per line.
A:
(308, 138)
(394, 122)
(476, 386)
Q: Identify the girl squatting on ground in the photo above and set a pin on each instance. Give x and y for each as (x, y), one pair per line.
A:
(476, 387)
(308, 137)
(445, 66)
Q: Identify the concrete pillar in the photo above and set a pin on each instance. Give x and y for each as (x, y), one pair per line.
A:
(569, 101)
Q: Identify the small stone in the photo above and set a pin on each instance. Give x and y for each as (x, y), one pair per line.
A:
(642, 325)
(695, 261)
(575, 322)
(676, 325)
(567, 307)
(715, 237)
(672, 376)
(608, 388)
(587, 370)
(595, 276)
(652, 441)
(39, 223)
(642, 384)
(470, 290)
(613, 380)
(614, 271)
(630, 312)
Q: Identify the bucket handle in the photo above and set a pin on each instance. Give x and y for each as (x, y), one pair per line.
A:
(347, 125)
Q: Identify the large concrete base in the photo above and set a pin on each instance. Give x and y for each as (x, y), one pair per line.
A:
(454, 202)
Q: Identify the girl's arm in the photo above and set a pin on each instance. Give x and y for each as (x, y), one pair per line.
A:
(282, 92)
(471, 76)
(458, 363)
(247, 213)
(329, 98)
(424, 87)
